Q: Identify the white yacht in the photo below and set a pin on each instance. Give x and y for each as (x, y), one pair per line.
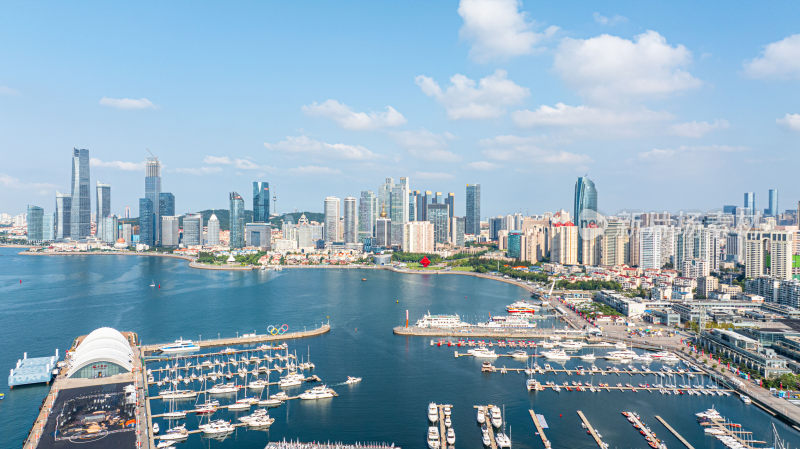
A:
(165, 444)
(176, 433)
(503, 441)
(280, 396)
(665, 356)
(481, 415)
(318, 392)
(179, 345)
(508, 321)
(746, 399)
(440, 321)
(352, 380)
(572, 345)
(433, 412)
(217, 427)
(588, 357)
(155, 428)
(258, 418)
(519, 354)
(269, 402)
(482, 353)
(293, 379)
(555, 354)
(177, 394)
(243, 404)
(257, 384)
(177, 414)
(485, 436)
(228, 388)
(623, 354)
(497, 417)
(451, 436)
(433, 437)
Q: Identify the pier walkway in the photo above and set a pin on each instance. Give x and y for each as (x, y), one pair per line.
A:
(674, 432)
(591, 431)
(540, 429)
(249, 339)
(329, 445)
(489, 427)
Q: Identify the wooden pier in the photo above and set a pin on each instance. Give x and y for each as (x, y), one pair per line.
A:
(442, 427)
(591, 430)
(589, 372)
(540, 429)
(249, 339)
(639, 425)
(489, 427)
(727, 429)
(674, 432)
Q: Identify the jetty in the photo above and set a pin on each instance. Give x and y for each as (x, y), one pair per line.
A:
(248, 339)
(591, 431)
(540, 423)
(34, 370)
(674, 432)
(328, 445)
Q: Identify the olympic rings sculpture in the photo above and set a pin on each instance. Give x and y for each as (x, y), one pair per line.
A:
(280, 330)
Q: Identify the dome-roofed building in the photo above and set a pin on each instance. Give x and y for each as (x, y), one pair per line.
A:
(104, 352)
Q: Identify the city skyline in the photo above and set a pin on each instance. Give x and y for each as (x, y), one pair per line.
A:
(445, 106)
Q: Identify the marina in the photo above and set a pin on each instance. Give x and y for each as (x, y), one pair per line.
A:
(540, 423)
(590, 430)
(674, 432)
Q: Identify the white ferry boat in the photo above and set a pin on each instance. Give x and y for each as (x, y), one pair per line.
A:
(440, 321)
(180, 345)
(508, 321)
(521, 307)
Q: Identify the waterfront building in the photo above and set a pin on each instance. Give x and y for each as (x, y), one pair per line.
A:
(212, 235)
(193, 229)
(778, 245)
(166, 203)
(744, 350)
(418, 237)
(81, 206)
(457, 231)
(350, 231)
(399, 210)
(170, 231)
(260, 202)
(146, 224)
(564, 243)
(34, 219)
(258, 235)
(110, 228)
(331, 210)
(383, 231)
(63, 210)
(48, 227)
(236, 220)
(473, 204)
(152, 191)
(103, 353)
(439, 216)
(103, 210)
(367, 214)
(585, 200)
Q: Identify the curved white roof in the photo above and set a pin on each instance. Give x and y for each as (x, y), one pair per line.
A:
(103, 344)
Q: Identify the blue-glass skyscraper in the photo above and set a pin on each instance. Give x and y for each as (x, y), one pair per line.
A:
(34, 219)
(236, 220)
(260, 202)
(152, 191)
(146, 222)
(772, 209)
(585, 198)
(473, 203)
(166, 204)
(81, 206)
(750, 203)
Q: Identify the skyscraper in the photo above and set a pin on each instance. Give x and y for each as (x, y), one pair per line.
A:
(451, 204)
(367, 214)
(331, 209)
(399, 210)
(146, 223)
(103, 210)
(473, 202)
(170, 231)
(750, 203)
(81, 206)
(772, 210)
(152, 191)
(350, 220)
(385, 195)
(63, 211)
(457, 231)
(193, 229)
(48, 227)
(260, 202)
(650, 247)
(166, 203)
(383, 230)
(237, 220)
(212, 238)
(438, 214)
(585, 200)
(35, 215)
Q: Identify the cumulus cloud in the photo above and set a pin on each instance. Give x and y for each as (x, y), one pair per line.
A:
(519, 149)
(426, 145)
(482, 165)
(433, 175)
(790, 121)
(657, 154)
(609, 21)
(127, 103)
(199, 171)
(5, 90)
(240, 163)
(697, 129)
(349, 119)
(12, 183)
(578, 116)
(608, 68)
(778, 60)
(498, 29)
(119, 165)
(306, 145)
(466, 99)
(217, 160)
(314, 170)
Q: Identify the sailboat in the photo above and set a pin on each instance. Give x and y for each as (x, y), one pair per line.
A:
(153, 283)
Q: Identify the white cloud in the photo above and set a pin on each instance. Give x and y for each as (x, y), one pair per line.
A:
(5, 90)
(119, 165)
(314, 170)
(433, 175)
(217, 160)
(10, 182)
(241, 164)
(519, 149)
(498, 29)
(127, 103)
(482, 165)
(426, 145)
(790, 121)
(349, 119)
(199, 171)
(609, 21)
(609, 68)
(306, 145)
(466, 99)
(578, 116)
(697, 129)
(657, 154)
(778, 60)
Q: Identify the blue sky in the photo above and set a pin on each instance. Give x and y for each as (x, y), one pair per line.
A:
(666, 105)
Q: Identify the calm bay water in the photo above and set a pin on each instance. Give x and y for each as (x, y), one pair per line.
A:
(63, 297)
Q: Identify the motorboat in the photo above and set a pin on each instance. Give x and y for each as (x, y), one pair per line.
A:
(269, 402)
(433, 412)
(451, 436)
(746, 399)
(242, 404)
(352, 380)
(502, 440)
(293, 379)
(482, 353)
(177, 394)
(165, 444)
(228, 388)
(433, 437)
(481, 415)
(176, 433)
(447, 421)
(155, 428)
(257, 384)
(666, 357)
(281, 396)
(178, 346)
(177, 414)
(485, 436)
(496, 416)
(216, 428)
(519, 354)
(318, 392)
(572, 345)
(588, 357)
(207, 407)
(623, 354)
(556, 354)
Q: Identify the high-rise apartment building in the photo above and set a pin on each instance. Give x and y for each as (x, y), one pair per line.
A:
(81, 206)
(383, 231)
(418, 237)
(450, 200)
(260, 202)
(170, 231)
(110, 229)
(103, 210)
(457, 231)
(48, 227)
(650, 247)
(152, 191)
(63, 213)
(564, 243)
(332, 213)
(439, 216)
(350, 220)
(473, 203)
(367, 214)
(614, 238)
(193, 229)
(769, 254)
(237, 220)
(212, 236)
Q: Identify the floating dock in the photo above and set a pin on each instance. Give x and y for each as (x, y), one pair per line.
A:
(591, 431)
(648, 434)
(35, 370)
(540, 428)
(675, 433)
